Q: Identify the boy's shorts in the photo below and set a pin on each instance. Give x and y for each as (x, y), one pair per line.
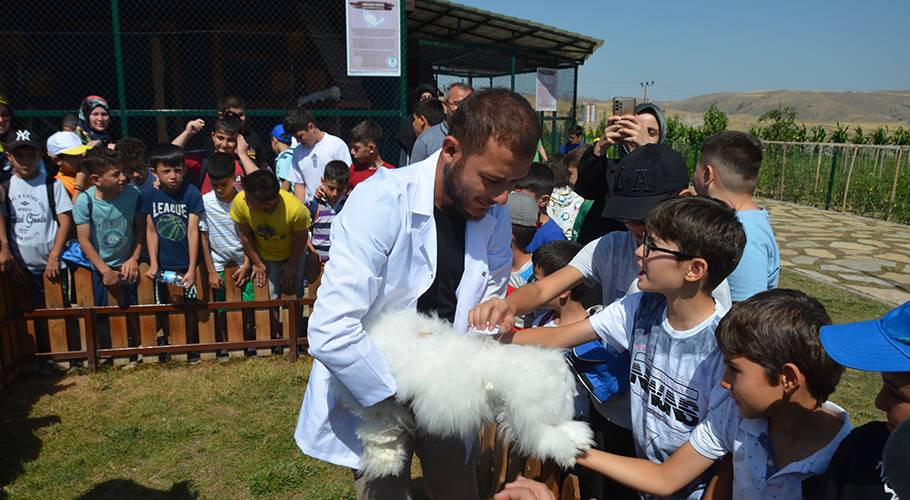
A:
(274, 271)
(247, 294)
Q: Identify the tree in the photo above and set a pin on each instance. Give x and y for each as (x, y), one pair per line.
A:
(880, 136)
(676, 130)
(715, 121)
(858, 136)
(817, 134)
(839, 136)
(778, 125)
(900, 137)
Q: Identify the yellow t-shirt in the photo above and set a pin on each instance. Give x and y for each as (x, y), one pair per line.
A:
(273, 231)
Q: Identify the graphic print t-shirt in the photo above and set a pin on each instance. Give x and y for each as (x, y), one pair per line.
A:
(170, 215)
(32, 228)
(112, 223)
(672, 376)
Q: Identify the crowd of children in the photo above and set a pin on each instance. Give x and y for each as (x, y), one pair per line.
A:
(697, 374)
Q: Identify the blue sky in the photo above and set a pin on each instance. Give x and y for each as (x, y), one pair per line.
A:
(696, 47)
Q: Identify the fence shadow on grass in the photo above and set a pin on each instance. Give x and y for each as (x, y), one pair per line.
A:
(18, 431)
(125, 488)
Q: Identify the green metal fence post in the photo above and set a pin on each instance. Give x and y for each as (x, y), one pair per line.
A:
(834, 159)
(514, 70)
(573, 119)
(118, 63)
(403, 79)
(553, 145)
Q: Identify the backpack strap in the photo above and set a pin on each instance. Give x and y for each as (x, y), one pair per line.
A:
(51, 199)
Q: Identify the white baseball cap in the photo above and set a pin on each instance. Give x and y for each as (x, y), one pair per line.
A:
(65, 143)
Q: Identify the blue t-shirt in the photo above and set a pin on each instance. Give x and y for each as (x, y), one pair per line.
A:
(546, 233)
(759, 267)
(112, 223)
(170, 214)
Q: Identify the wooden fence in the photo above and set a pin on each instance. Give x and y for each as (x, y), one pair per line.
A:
(71, 327)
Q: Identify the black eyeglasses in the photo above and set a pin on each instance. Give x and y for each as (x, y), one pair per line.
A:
(651, 247)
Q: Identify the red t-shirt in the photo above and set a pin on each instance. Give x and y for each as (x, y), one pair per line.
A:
(193, 163)
(361, 172)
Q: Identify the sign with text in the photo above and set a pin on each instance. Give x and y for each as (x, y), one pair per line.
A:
(373, 38)
(546, 90)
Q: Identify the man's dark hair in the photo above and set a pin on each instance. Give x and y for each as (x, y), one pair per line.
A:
(498, 115)
(261, 185)
(132, 149)
(573, 158)
(777, 327)
(99, 160)
(523, 236)
(229, 124)
(366, 132)
(577, 130)
(432, 110)
(298, 119)
(540, 180)
(701, 227)
(556, 255)
(166, 154)
(231, 102)
(737, 155)
(557, 165)
(220, 166)
(337, 171)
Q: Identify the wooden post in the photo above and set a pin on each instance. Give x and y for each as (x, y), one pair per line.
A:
(485, 460)
(233, 319)
(783, 165)
(570, 488)
(818, 168)
(88, 319)
(117, 323)
(293, 326)
(843, 206)
(263, 320)
(176, 322)
(56, 328)
(85, 297)
(205, 318)
(897, 173)
(148, 329)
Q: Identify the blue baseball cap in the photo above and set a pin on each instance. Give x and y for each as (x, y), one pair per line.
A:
(280, 135)
(880, 345)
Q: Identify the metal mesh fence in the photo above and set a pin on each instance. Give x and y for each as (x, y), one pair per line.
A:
(862, 179)
(178, 59)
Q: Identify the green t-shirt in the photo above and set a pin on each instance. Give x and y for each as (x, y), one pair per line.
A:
(112, 223)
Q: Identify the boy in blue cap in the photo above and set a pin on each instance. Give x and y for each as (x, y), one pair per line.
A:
(881, 345)
(281, 146)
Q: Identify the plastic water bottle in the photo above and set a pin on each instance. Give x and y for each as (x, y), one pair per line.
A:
(169, 278)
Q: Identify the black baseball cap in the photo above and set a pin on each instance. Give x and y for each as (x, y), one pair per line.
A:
(647, 176)
(19, 137)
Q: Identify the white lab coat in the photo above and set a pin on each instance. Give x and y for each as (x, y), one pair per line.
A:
(382, 259)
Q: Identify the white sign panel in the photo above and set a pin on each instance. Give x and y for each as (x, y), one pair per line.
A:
(373, 37)
(546, 89)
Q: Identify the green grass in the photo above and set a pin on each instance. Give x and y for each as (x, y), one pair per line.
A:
(218, 430)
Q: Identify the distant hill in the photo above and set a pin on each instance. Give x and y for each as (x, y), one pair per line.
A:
(851, 108)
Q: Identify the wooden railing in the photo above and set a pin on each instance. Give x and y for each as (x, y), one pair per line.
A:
(71, 327)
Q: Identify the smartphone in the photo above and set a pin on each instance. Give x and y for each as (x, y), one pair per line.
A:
(623, 106)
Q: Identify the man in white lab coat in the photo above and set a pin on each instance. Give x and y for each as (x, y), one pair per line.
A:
(433, 237)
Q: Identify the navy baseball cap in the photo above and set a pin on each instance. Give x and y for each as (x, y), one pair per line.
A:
(879, 345)
(647, 176)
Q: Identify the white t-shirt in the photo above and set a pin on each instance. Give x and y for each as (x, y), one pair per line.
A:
(31, 226)
(223, 238)
(672, 376)
(755, 475)
(308, 162)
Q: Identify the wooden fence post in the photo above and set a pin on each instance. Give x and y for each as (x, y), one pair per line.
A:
(263, 320)
(818, 168)
(843, 206)
(91, 353)
(783, 165)
(897, 173)
(293, 326)
(148, 324)
(233, 319)
(205, 318)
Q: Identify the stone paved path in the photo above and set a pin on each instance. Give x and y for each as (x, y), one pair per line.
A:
(868, 256)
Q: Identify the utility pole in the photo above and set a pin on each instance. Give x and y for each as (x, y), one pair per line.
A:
(645, 86)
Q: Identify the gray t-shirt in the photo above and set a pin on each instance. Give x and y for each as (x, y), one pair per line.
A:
(429, 142)
(32, 228)
(673, 372)
(112, 223)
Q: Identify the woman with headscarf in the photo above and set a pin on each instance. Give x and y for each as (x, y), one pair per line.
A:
(596, 171)
(405, 137)
(94, 121)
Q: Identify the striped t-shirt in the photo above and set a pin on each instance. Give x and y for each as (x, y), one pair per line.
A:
(323, 216)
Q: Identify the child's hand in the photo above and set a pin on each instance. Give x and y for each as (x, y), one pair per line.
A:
(52, 270)
(243, 147)
(260, 275)
(525, 489)
(130, 270)
(189, 279)
(492, 313)
(320, 193)
(110, 277)
(7, 261)
(92, 144)
(214, 279)
(151, 272)
(241, 275)
(194, 126)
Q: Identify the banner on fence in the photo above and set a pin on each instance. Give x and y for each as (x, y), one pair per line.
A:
(546, 90)
(373, 38)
